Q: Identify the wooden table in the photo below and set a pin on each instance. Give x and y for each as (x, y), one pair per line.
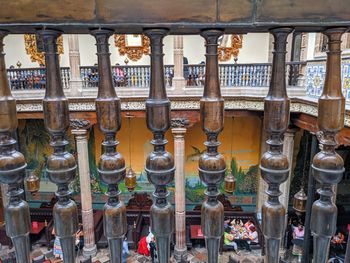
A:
(196, 232)
(37, 230)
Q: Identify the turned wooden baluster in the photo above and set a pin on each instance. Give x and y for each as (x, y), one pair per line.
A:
(274, 164)
(159, 164)
(111, 167)
(61, 165)
(12, 168)
(212, 165)
(327, 165)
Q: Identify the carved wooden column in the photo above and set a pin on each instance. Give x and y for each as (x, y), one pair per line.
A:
(178, 130)
(61, 165)
(274, 164)
(212, 165)
(12, 168)
(159, 164)
(111, 167)
(327, 165)
(80, 130)
(2, 215)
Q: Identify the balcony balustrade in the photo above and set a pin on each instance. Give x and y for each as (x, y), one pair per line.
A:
(230, 75)
(33, 78)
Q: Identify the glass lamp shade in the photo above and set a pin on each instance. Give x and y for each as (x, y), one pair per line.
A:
(130, 180)
(230, 183)
(33, 183)
(299, 201)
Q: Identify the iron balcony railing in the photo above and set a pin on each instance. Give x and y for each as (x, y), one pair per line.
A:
(231, 75)
(33, 78)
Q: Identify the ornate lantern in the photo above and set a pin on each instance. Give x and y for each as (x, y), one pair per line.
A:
(299, 201)
(230, 183)
(130, 180)
(33, 183)
(230, 180)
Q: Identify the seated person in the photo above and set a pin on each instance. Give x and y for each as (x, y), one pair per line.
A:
(229, 240)
(253, 235)
(298, 232)
(298, 237)
(337, 241)
(248, 224)
(338, 238)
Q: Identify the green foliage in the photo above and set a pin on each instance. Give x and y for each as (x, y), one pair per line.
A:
(246, 182)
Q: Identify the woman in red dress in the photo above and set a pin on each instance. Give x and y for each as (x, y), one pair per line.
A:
(142, 248)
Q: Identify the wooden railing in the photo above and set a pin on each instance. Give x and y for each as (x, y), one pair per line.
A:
(33, 78)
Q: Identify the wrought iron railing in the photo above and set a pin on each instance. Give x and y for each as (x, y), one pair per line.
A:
(33, 78)
(231, 75)
(125, 76)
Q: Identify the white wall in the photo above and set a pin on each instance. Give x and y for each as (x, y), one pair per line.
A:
(254, 50)
(311, 46)
(15, 51)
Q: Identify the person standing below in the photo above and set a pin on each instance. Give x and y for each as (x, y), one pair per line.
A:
(186, 70)
(125, 252)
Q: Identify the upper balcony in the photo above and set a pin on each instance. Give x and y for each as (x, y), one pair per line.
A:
(133, 81)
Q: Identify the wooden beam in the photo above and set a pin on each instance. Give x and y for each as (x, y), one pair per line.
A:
(309, 123)
(181, 16)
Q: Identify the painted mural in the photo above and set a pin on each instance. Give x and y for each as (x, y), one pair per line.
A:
(240, 144)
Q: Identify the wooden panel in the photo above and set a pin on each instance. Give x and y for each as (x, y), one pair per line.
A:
(181, 16)
(316, 11)
(45, 11)
(155, 11)
(235, 10)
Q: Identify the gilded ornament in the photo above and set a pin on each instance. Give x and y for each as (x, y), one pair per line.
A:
(225, 53)
(30, 44)
(133, 52)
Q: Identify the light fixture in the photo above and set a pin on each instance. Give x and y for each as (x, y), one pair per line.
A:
(300, 198)
(299, 201)
(230, 180)
(33, 183)
(130, 178)
(230, 183)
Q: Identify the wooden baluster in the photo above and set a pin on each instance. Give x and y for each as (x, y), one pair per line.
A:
(159, 164)
(12, 168)
(274, 164)
(61, 165)
(111, 167)
(327, 165)
(212, 165)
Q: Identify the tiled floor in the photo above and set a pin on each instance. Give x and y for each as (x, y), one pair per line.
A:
(196, 255)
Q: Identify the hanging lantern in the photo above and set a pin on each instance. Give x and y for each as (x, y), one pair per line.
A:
(230, 183)
(130, 180)
(299, 201)
(33, 183)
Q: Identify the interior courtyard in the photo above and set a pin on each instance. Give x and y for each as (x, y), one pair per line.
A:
(214, 133)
